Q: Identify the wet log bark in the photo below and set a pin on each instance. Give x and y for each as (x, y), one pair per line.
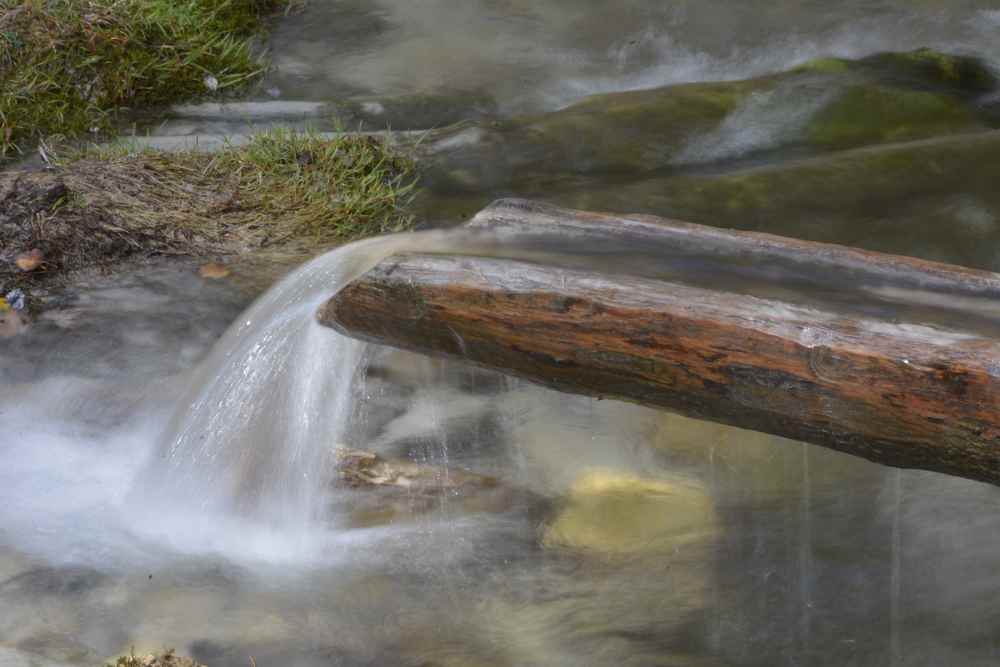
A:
(901, 393)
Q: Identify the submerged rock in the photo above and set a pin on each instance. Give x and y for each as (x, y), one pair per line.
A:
(360, 469)
(935, 199)
(620, 514)
(392, 490)
(821, 106)
(420, 111)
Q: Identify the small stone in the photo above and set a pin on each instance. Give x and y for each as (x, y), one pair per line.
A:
(616, 513)
(30, 261)
(213, 271)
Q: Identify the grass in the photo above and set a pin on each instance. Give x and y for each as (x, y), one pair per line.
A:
(284, 190)
(282, 186)
(342, 188)
(70, 67)
(165, 659)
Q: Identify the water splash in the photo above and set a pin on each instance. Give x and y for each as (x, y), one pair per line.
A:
(765, 121)
(252, 435)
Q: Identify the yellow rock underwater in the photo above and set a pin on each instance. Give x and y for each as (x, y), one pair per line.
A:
(618, 513)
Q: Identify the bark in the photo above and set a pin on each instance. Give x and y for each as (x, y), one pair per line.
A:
(901, 393)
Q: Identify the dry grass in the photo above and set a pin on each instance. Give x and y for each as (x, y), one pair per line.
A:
(165, 659)
(281, 190)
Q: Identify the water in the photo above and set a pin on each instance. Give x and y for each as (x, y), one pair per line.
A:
(166, 455)
(135, 516)
(542, 55)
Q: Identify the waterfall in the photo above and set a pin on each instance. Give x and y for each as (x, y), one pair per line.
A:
(252, 434)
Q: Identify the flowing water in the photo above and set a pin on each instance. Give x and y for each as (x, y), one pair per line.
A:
(167, 447)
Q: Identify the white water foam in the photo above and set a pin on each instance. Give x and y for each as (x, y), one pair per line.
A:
(251, 439)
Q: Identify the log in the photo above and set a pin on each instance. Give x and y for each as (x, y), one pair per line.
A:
(921, 392)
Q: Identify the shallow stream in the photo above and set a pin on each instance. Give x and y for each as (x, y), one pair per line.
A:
(158, 492)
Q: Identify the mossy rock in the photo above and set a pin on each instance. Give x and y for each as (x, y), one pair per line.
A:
(927, 68)
(619, 514)
(880, 99)
(868, 114)
(633, 131)
(934, 198)
(422, 111)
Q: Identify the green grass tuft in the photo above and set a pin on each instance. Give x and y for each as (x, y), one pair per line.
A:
(68, 67)
(341, 188)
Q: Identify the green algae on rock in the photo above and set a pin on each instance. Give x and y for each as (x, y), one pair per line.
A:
(826, 105)
(69, 66)
(866, 115)
(934, 198)
(419, 111)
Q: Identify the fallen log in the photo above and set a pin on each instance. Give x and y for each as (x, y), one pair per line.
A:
(904, 393)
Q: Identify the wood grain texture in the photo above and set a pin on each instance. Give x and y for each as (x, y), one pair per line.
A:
(898, 393)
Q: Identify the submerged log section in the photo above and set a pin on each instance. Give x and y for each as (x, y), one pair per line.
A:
(901, 394)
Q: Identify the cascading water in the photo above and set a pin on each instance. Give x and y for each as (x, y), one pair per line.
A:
(254, 432)
(253, 435)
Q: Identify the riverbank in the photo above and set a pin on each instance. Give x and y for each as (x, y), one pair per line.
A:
(279, 191)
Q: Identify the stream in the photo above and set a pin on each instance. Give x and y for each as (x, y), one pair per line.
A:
(168, 475)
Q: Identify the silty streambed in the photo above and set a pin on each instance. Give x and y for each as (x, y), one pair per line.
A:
(149, 502)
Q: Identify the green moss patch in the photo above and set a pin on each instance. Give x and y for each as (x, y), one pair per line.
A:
(934, 198)
(281, 191)
(69, 66)
(884, 98)
(924, 68)
(864, 115)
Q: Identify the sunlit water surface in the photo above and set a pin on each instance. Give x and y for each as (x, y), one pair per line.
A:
(149, 501)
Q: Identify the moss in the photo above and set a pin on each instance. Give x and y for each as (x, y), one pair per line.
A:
(825, 66)
(418, 111)
(866, 114)
(896, 198)
(922, 68)
(282, 190)
(633, 131)
(883, 98)
(927, 68)
(70, 66)
(630, 132)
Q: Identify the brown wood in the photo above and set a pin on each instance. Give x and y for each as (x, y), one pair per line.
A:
(902, 393)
